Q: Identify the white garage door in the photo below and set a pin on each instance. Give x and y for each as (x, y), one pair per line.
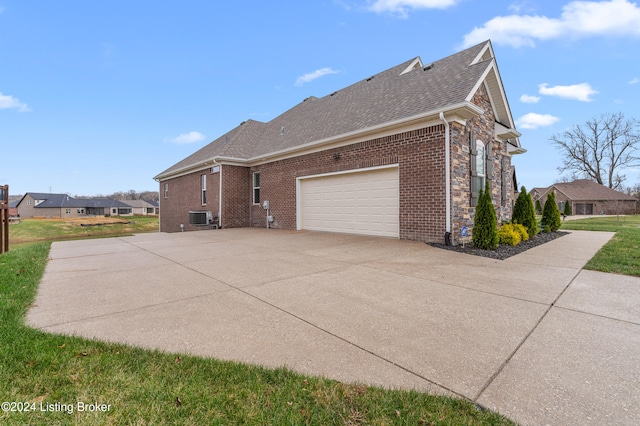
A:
(362, 202)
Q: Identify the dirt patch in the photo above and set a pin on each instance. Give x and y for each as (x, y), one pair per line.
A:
(94, 221)
(89, 220)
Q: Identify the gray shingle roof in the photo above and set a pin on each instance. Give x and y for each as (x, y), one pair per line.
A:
(383, 98)
(587, 190)
(66, 201)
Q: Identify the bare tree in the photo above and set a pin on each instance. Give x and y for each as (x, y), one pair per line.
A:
(634, 191)
(601, 148)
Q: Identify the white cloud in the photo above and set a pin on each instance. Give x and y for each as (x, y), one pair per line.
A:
(519, 7)
(533, 120)
(315, 74)
(8, 102)
(579, 19)
(580, 92)
(401, 7)
(528, 99)
(635, 80)
(186, 138)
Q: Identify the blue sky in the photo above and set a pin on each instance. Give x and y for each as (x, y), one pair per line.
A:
(99, 97)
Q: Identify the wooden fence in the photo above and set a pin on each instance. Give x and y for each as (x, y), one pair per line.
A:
(4, 218)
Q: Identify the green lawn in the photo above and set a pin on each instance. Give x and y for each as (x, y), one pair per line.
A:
(621, 255)
(51, 374)
(32, 230)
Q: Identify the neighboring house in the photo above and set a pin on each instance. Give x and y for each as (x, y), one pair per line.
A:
(13, 208)
(156, 206)
(403, 153)
(142, 208)
(587, 198)
(34, 204)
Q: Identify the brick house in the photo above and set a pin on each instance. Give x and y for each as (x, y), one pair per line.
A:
(401, 154)
(142, 207)
(35, 204)
(587, 197)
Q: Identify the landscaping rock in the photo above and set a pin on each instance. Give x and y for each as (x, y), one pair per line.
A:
(504, 251)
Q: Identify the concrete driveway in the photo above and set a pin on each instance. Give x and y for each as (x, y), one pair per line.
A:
(533, 337)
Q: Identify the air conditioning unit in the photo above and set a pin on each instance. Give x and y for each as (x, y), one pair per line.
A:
(200, 218)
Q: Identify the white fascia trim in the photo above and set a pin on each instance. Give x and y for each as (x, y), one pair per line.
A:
(186, 170)
(503, 97)
(342, 172)
(493, 103)
(504, 132)
(460, 111)
(514, 150)
(486, 47)
(456, 112)
(412, 65)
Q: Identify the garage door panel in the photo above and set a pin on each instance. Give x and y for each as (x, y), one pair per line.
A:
(363, 202)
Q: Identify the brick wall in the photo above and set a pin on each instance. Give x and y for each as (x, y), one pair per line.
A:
(420, 155)
(185, 196)
(236, 196)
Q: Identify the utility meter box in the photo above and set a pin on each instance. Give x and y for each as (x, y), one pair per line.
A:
(265, 204)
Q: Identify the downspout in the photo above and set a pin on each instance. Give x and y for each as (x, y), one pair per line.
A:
(219, 194)
(447, 168)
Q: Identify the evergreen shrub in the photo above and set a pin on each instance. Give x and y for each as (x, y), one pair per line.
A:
(485, 223)
(551, 214)
(524, 213)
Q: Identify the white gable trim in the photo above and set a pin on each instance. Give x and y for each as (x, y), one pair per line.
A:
(485, 54)
(417, 62)
(495, 89)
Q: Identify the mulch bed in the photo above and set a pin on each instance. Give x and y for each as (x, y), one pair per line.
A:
(504, 251)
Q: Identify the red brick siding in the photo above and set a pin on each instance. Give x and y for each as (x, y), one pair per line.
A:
(185, 196)
(236, 196)
(419, 153)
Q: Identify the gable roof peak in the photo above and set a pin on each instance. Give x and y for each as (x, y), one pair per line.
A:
(416, 63)
(485, 54)
(405, 92)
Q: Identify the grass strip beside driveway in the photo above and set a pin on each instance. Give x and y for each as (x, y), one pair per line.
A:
(68, 380)
(621, 255)
(57, 229)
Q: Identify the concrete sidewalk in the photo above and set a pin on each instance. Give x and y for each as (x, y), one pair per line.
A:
(533, 337)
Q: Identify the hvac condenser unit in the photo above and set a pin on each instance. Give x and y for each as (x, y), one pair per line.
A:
(200, 218)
